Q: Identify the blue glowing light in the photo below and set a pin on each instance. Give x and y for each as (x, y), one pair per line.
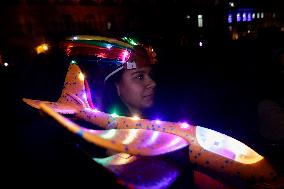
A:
(249, 17)
(244, 17)
(108, 46)
(230, 18)
(238, 17)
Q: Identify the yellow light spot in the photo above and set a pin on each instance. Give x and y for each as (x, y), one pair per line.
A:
(81, 76)
(235, 36)
(135, 117)
(42, 48)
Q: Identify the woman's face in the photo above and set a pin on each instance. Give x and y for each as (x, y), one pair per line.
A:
(136, 89)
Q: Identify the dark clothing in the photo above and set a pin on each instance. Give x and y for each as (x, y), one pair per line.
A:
(42, 153)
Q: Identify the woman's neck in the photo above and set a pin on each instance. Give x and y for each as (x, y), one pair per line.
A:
(134, 111)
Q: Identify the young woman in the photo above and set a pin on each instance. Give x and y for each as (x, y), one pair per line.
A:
(129, 89)
(118, 72)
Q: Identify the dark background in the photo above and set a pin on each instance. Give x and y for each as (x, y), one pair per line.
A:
(218, 85)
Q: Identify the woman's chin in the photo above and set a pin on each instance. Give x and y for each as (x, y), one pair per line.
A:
(148, 104)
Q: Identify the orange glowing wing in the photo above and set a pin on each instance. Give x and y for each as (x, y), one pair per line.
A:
(74, 96)
(133, 141)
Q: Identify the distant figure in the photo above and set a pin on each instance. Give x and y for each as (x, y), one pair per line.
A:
(271, 108)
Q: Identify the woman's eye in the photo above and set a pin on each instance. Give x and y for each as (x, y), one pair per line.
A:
(139, 77)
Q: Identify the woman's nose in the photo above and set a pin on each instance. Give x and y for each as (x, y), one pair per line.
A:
(151, 83)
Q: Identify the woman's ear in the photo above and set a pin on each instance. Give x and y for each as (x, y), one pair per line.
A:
(117, 89)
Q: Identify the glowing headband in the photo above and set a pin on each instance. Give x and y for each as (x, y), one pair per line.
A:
(97, 47)
(126, 54)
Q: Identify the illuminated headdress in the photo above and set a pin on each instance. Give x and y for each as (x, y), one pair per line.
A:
(114, 53)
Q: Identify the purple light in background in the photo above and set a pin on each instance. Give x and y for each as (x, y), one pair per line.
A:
(238, 17)
(249, 17)
(230, 18)
(244, 17)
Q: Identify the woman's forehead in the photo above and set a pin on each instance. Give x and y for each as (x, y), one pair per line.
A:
(140, 70)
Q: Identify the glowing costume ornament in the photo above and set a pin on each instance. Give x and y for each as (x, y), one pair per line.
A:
(207, 148)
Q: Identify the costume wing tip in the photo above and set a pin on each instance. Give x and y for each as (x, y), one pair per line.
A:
(59, 107)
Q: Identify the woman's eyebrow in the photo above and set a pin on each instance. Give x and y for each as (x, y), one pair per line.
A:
(138, 72)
